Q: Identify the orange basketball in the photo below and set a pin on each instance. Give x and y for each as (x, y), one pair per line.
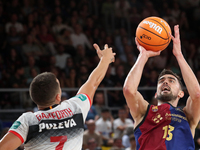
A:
(153, 33)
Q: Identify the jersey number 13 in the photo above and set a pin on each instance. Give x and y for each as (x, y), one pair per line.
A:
(168, 131)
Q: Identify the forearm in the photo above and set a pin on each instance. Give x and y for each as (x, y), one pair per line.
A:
(133, 79)
(99, 72)
(189, 77)
(95, 79)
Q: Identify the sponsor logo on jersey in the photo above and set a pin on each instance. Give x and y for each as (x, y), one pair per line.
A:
(168, 116)
(154, 26)
(60, 125)
(81, 97)
(179, 109)
(175, 117)
(157, 118)
(15, 125)
(59, 114)
(155, 108)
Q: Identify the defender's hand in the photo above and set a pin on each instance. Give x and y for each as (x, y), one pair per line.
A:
(107, 52)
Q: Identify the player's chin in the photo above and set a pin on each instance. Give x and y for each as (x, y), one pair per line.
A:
(165, 97)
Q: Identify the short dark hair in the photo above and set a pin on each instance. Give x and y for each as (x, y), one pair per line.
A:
(167, 71)
(44, 88)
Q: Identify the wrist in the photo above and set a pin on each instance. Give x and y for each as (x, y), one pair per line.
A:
(179, 56)
(106, 60)
(143, 56)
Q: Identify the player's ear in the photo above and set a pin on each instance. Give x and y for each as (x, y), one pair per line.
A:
(155, 95)
(181, 94)
(58, 98)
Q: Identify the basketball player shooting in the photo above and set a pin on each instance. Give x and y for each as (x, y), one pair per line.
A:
(164, 127)
(56, 126)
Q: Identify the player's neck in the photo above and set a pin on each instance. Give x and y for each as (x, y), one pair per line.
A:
(173, 103)
(56, 102)
(47, 107)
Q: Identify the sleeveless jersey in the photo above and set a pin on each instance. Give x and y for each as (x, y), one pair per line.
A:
(59, 128)
(164, 127)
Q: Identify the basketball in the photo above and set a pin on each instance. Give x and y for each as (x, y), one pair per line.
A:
(153, 34)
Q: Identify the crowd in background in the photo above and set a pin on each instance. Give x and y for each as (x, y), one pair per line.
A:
(58, 36)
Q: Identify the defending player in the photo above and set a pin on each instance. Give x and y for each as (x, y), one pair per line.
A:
(164, 127)
(56, 125)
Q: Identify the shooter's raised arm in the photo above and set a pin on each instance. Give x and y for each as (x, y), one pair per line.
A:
(134, 99)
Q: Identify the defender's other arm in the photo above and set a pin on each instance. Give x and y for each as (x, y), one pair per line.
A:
(10, 142)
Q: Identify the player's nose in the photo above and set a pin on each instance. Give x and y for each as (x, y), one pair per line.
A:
(165, 82)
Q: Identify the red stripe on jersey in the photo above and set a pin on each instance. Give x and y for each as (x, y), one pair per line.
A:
(87, 97)
(18, 135)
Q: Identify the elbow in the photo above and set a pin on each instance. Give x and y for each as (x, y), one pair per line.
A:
(127, 91)
(196, 94)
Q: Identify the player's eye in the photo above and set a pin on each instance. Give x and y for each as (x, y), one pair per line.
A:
(160, 81)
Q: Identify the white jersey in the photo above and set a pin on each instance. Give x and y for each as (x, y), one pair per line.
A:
(59, 128)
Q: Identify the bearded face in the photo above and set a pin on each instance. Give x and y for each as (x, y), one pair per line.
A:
(168, 88)
(165, 97)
